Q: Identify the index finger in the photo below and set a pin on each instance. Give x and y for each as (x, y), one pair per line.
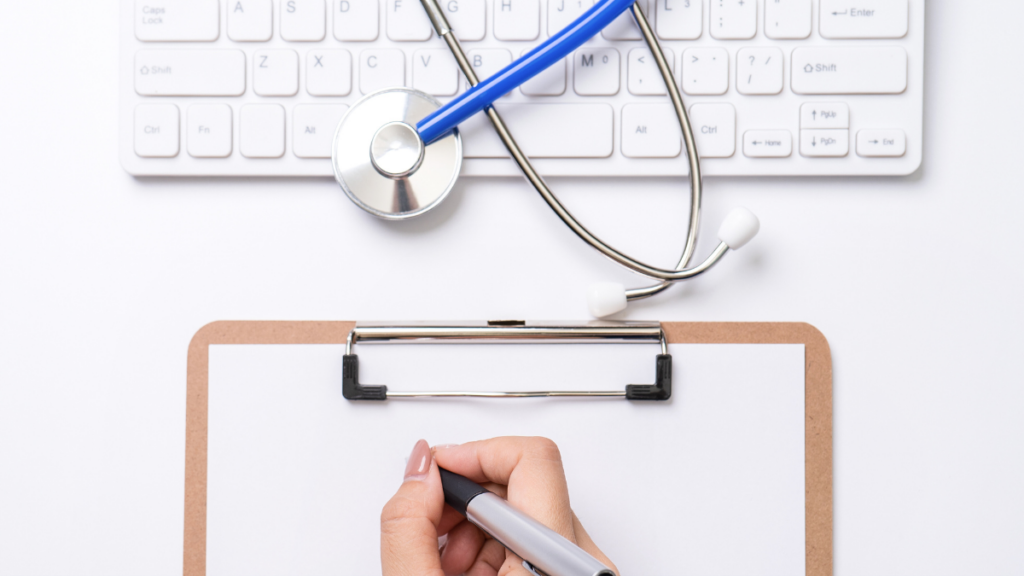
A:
(531, 467)
(409, 521)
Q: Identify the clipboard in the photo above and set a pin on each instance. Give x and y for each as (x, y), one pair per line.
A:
(818, 515)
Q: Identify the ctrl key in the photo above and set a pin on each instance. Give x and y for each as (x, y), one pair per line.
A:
(157, 130)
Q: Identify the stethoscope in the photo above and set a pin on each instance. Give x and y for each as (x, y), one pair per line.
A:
(415, 150)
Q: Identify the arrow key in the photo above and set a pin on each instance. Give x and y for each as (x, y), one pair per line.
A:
(881, 143)
(824, 143)
(824, 115)
(767, 143)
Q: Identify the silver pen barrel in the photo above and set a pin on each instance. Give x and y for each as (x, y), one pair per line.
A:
(546, 551)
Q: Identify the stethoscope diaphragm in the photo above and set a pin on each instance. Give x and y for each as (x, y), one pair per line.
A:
(397, 153)
(380, 161)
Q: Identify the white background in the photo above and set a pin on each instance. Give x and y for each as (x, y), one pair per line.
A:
(916, 282)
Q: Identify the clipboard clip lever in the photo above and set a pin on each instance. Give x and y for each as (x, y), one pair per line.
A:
(504, 332)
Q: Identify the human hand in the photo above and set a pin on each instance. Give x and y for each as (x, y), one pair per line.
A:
(526, 471)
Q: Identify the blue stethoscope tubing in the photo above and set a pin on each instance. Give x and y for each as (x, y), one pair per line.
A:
(551, 51)
(441, 125)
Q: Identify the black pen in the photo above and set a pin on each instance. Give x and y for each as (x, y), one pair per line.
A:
(543, 550)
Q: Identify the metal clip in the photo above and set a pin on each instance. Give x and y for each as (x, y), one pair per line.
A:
(510, 331)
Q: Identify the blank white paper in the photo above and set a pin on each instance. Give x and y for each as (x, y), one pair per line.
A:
(709, 483)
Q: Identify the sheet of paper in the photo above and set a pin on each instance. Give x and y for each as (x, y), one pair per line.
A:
(298, 475)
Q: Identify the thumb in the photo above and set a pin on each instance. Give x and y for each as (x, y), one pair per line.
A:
(408, 523)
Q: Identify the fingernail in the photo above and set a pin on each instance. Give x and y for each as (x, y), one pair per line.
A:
(440, 447)
(419, 462)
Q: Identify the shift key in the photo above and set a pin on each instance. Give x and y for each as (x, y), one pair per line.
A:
(190, 72)
(177, 20)
(850, 70)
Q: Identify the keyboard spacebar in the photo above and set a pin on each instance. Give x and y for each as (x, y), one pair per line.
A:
(190, 72)
(543, 131)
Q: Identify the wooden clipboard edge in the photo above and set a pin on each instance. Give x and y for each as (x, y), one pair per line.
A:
(817, 414)
(197, 408)
(817, 409)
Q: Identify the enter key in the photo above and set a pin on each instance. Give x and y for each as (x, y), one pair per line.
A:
(864, 18)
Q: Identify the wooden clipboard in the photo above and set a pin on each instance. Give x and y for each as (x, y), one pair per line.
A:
(817, 426)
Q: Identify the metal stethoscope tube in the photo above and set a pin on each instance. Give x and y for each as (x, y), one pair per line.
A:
(440, 124)
(666, 276)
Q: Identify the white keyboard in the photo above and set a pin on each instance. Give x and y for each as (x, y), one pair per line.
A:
(774, 87)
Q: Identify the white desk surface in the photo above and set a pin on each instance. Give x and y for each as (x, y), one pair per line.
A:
(916, 282)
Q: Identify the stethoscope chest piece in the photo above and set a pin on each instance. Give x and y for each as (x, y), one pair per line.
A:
(382, 164)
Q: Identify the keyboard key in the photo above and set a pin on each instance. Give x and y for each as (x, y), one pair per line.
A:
(544, 131)
(625, 27)
(250, 20)
(468, 18)
(824, 143)
(550, 82)
(561, 13)
(650, 131)
(356, 20)
(596, 71)
(177, 20)
(642, 74)
(208, 133)
(190, 72)
(407, 21)
(759, 71)
(303, 20)
(824, 115)
(767, 143)
(881, 143)
(714, 126)
(435, 72)
(486, 62)
(314, 127)
(516, 19)
(787, 19)
(262, 131)
(733, 19)
(850, 70)
(679, 19)
(864, 19)
(705, 71)
(379, 69)
(275, 73)
(209, 58)
(156, 130)
(329, 72)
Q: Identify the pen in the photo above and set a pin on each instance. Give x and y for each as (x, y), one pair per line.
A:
(543, 550)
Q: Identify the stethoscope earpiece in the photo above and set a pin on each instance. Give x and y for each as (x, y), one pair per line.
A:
(738, 228)
(397, 153)
(607, 298)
